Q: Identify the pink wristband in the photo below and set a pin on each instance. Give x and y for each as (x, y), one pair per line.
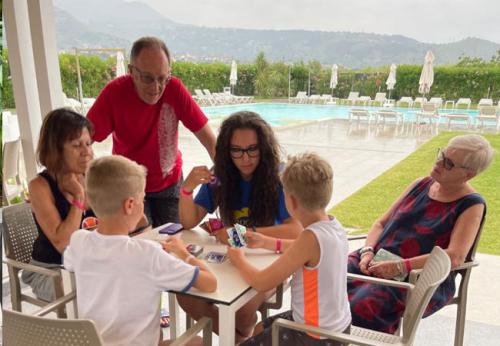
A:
(408, 265)
(80, 205)
(278, 246)
(184, 193)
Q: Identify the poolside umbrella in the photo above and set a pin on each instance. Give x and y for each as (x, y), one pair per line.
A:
(427, 76)
(233, 76)
(391, 80)
(120, 64)
(334, 78)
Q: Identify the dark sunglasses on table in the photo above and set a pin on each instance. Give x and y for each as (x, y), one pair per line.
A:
(146, 78)
(447, 163)
(252, 151)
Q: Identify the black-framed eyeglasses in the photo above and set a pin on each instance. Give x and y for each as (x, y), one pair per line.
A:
(146, 78)
(448, 164)
(237, 153)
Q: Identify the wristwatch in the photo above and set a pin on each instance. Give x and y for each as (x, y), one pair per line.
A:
(366, 249)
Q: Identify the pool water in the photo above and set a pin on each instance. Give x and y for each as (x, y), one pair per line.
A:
(284, 114)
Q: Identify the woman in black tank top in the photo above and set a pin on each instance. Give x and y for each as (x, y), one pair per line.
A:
(57, 194)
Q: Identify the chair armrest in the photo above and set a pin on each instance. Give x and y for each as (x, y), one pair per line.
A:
(415, 273)
(345, 338)
(466, 265)
(379, 281)
(356, 237)
(31, 267)
(55, 304)
(205, 324)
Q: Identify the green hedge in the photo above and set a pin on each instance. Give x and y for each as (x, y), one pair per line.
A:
(264, 79)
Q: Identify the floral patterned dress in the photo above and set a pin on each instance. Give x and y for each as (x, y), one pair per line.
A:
(416, 225)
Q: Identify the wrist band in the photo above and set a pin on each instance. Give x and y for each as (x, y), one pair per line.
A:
(79, 204)
(184, 193)
(407, 265)
(188, 258)
(366, 249)
(278, 246)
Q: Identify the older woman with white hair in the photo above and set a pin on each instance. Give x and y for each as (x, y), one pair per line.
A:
(442, 209)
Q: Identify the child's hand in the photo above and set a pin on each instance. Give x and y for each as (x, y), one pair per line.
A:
(176, 246)
(236, 255)
(222, 236)
(255, 240)
(198, 175)
(384, 269)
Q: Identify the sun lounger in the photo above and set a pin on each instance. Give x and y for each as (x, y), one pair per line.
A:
(380, 99)
(463, 103)
(460, 117)
(485, 102)
(438, 101)
(359, 114)
(364, 101)
(351, 98)
(488, 114)
(405, 101)
(428, 113)
(389, 114)
(419, 102)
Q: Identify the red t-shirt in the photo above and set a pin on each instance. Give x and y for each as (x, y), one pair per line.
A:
(147, 134)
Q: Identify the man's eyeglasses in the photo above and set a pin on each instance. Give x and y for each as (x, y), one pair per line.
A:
(146, 78)
(237, 153)
(447, 163)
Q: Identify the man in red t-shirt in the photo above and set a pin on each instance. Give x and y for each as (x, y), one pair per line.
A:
(142, 111)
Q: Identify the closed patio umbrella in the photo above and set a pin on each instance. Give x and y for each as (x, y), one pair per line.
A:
(334, 78)
(233, 76)
(120, 64)
(427, 75)
(391, 80)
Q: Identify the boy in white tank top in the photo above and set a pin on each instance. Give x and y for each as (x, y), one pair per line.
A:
(317, 258)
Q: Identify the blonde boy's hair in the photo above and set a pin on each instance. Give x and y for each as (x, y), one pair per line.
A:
(110, 180)
(309, 178)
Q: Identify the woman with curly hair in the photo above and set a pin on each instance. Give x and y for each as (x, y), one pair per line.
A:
(246, 187)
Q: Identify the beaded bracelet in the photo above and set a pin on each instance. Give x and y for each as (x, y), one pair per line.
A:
(278, 246)
(79, 204)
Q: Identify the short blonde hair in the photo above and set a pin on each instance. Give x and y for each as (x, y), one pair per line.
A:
(478, 151)
(309, 178)
(110, 180)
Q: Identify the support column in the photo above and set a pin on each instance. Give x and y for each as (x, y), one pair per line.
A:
(22, 68)
(43, 33)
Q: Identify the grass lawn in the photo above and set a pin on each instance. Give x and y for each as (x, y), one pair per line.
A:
(361, 209)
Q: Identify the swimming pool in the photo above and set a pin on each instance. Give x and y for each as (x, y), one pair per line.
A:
(284, 114)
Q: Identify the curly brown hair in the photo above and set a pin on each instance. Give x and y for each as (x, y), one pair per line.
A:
(264, 195)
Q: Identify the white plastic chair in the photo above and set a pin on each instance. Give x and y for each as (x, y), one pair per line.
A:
(11, 183)
(428, 113)
(484, 102)
(435, 271)
(488, 114)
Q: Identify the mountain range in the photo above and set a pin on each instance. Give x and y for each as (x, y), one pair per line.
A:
(116, 23)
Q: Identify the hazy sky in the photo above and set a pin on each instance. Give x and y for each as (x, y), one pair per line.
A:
(434, 21)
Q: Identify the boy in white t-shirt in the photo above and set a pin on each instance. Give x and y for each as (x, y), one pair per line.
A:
(317, 258)
(119, 279)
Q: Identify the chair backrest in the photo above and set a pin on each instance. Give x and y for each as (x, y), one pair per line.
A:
(488, 110)
(406, 99)
(26, 330)
(465, 101)
(485, 102)
(429, 107)
(353, 95)
(357, 112)
(207, 92)
(19, 232)
(436, 269)
(380, 97)
(10, 168)
(437, 100)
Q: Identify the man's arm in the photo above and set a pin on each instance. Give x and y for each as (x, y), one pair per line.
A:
(207, 138)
